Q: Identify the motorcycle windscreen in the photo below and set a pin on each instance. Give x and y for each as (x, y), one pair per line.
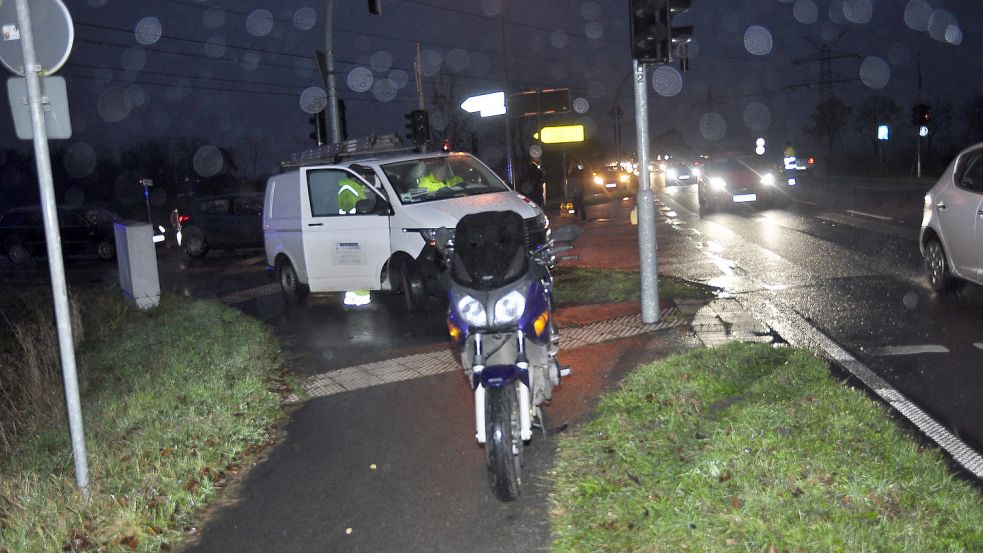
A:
(489, 250)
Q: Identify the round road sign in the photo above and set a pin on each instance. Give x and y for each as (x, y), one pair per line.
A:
(53, 35)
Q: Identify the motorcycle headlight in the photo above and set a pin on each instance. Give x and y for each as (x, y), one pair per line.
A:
(696, 171)
(509, 308)
(598, 180)
(768, 179)
(472, 311)
(718, 183)
(672, 174)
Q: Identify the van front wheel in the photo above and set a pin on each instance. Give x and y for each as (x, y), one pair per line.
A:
(293, 289)
(414, 288)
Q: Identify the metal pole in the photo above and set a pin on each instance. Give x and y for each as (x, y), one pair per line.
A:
(645, 201)
(331, 81)
(505, 89)
(918, 123)
(59, 290)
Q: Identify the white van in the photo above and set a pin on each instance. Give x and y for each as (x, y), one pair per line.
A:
(386, 242)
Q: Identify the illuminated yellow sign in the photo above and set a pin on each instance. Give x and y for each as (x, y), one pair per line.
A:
(558, 135)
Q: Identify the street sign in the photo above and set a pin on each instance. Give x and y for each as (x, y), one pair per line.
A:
(540, 102)
(485, 104)
(882, 132)
(923, 131)
(54, 35)
(54, 101)
(563, 134)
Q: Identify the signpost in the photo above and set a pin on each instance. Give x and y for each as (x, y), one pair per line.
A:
(560, 135)
(487, 105)
(22, 56)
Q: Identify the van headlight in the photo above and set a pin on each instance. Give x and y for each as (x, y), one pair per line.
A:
(598, 179)
(672, 174)
(768, 179)
(718, 183)
(472, 311)
(509, 307)
(696, 171)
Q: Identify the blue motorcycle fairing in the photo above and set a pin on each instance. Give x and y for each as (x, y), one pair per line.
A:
(537, 301)
(498, 376)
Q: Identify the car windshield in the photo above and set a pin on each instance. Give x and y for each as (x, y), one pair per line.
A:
(733, 165)
(424, 180)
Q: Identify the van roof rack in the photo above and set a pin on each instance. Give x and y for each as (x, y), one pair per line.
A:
(367, 146)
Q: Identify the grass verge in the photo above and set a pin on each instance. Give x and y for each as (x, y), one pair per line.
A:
(752, 448)
(172, 398)
(577, 285)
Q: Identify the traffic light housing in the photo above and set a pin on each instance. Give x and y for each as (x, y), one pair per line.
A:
(319, 128)
(921, 115)
(375, 7)
(419, 127)
(654, 36)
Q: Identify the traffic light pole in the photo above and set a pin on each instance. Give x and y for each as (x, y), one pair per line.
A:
(645, 201)
(330, 77)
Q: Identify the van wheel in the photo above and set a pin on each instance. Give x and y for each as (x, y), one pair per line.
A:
(194, 245)
(414, 289)
(293, 289)
(106, 250)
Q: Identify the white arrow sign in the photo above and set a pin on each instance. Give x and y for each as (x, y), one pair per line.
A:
(486, 104)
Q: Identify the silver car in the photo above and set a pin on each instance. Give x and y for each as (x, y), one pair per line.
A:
(951, 238)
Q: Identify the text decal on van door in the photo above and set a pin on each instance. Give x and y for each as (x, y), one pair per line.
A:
(348, 253)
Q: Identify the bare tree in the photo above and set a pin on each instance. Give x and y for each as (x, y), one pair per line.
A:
(448, 121)
(827, 121)
(875, 111)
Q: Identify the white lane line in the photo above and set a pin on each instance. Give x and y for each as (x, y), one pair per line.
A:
(871, 215)
(909, 350)
(798, 201)
(420, 365)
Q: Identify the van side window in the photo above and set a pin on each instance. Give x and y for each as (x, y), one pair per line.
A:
(335, 192)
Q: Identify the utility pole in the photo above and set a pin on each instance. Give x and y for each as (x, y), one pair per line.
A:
(825, 57)
(918, 128)
(330, 79)
(505, 88)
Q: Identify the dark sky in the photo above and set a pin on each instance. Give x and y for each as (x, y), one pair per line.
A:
(232, 72)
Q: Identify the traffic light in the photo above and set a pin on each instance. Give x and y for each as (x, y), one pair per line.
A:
(921, 115)
(654, 37)
(319, 132)
(419, 127)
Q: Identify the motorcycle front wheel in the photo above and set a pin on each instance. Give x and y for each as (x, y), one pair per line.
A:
(503, 443)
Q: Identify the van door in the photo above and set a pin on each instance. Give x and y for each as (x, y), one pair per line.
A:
(345, 248)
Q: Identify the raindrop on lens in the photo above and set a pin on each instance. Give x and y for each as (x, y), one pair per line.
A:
(581, 105)
(858, 11)
(458, 60)
(360, 79)
(916, 15)
(836, 12)
(667, 80)
(874, 72)
(940, 21)
(400, 77)
(381, 61)
(594, 30)
(148, 30)
(954, 35)
(213, 18)
(758, 40)
(215, 47)
(259, 23)
(208, 161)
(305, 19)
(430, 62)
(490, 7)
(313, 100)
(757, 116)
(384, 90)
(910, 300)
(805, 12)
(112, 105)
(80, 160)
(713, 126)
(134, 59)
(249, 61)
(559, 39)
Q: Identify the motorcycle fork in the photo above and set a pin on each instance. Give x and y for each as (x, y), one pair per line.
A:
(525, 420)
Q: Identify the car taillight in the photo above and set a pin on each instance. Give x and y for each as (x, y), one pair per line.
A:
(812, 160)
(183, 219)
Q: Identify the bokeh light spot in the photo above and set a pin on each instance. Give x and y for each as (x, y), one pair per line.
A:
(858, 11)
(134, 58)
(215, 47)
(384, 90)
(381, 61)
(757, 116)
(80, 160)
(916, 15)
(430, 62)
(713, 126)
(590, 10)
(249, 61)
(559, 39)
(112, 105)
(213, 18)
(594, 30)
(458, 60)
(939, 23)
(581, 105)
(148, 30)
(259, 23)
(208, 161)
(805, 12)
(313, 100)
(400, 77)
(305, 18)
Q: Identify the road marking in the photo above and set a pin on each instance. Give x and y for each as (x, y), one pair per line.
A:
(864, 214)
(909, 350)
(420, 365)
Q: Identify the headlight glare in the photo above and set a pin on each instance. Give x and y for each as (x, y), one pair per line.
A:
(768, 179)
(472, 311)
(672, 174)
(509, 308)
(718, 183)
(696, 171)
(598, 180)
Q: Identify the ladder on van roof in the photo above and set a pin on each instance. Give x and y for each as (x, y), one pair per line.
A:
(368, 146)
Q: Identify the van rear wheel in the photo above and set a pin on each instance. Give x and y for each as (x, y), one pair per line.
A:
(293, 289)
(414, 288)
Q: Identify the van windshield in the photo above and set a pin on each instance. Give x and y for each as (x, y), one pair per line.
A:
(425, 180)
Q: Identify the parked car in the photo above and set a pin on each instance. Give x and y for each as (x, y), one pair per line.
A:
(83, 230)
(951, 238)
(224, 221)
(728, 180)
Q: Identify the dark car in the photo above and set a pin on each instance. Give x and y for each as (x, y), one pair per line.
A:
(226, 221)
(729, 180)
(614, 179)
(83, 230)
(679, 173)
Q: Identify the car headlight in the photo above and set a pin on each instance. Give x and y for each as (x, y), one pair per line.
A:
(623, 178)
(598, 180)
(696, 171)
(509, 308)
(672, 174)
(718, 183)
(768, 179)
(472, 311)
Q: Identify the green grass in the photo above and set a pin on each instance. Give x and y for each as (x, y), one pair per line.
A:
(578, 286)
(753, 448)
(172, 399)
